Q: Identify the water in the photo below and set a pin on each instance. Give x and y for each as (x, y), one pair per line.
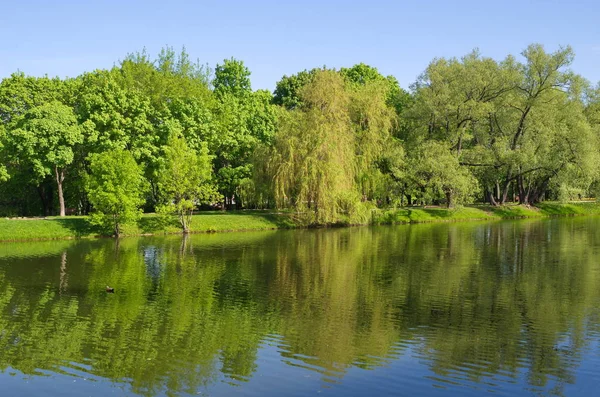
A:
(510, 308)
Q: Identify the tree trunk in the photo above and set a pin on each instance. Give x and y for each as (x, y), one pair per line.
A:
(449, 199)
(60, 177)
(185, 219)
(538, 193)
(117, 228)
(523, 194)
(490, 197)
(504, 197)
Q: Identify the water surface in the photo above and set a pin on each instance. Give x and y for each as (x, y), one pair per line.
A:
(511, 308)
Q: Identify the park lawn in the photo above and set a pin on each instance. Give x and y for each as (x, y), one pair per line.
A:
(483, 212)
(216, 221)
(44, 228)
(23, 229)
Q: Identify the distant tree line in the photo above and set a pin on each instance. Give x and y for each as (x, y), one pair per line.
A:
(173, 136)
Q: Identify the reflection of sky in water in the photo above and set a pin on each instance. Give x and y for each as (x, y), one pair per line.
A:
(406, 375)
(154, 267)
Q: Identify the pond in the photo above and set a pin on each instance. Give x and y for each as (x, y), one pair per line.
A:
(508, 307)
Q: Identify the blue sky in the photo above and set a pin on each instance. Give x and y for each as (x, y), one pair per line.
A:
(273, 38)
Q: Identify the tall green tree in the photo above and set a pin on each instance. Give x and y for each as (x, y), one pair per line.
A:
(44, 138)
(373, 121)
(312, 160)
(185, 180)
(244, 120)
(541, 124)
(520, 127)
(232, 77)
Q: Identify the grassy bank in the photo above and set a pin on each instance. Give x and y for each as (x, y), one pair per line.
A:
(483, 212)
(149, 224)
(79, 227)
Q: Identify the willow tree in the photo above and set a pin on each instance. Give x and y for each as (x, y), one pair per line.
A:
(456, 101)
(373, 121)
(312, 158)
(519, 126)
(438, 172)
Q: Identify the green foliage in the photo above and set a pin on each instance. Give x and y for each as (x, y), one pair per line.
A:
(232, 78)
(244, 120)
(328, 144)
(373, 121)
(332, 156)
(521, 127)
(20, 93)
(287, 90)
(120, 117)
(116, 188)
(311, 162)
(439, 172)
(44, 138)
(184, 180)
(3, 155)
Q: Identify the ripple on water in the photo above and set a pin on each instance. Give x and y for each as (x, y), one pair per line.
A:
(433, 310)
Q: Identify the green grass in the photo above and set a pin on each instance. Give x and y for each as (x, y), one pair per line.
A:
(425, 215)
(79, 227)
(44, 229)
(558, 209)
(483, 212)
(217, 221)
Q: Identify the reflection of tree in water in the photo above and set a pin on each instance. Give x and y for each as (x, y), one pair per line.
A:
(480, 299)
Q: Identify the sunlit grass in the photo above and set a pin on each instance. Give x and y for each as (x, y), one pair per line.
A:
(482, 212)
(79, 226)
(219, 221)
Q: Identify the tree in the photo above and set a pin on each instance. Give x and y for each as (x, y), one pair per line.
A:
(168, 78)
(20, 93)
(540, 124)
(287, 90)
(232, 77)
(435, 169)
(373, 122)
(44, 138)
(312, 159)
(3, 172)
(243, 120)
(185, 180)
(116, 188)
(520, 127)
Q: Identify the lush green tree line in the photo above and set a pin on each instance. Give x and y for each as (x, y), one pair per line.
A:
(330, 144)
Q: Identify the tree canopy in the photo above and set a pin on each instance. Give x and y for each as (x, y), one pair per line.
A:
(329, 144)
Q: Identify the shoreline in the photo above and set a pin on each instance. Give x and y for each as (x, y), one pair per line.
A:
(77, 227)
